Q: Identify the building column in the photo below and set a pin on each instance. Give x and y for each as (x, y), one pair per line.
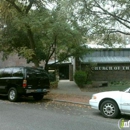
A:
(70, 72)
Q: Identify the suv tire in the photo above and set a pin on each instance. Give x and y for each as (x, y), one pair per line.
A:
(12, 94)
(38, 97)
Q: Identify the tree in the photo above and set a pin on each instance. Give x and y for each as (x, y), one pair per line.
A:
(18, 33)
(106, 21)
(36, 32)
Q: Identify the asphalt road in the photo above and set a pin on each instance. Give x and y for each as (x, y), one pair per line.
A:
(48, 115)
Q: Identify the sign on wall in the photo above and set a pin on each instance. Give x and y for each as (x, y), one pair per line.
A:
(110, 68)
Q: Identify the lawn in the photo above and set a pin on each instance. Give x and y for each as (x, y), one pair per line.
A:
(111, 87)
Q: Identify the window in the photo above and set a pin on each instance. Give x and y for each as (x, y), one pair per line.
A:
(35, 73)
(31, 73)
(1, 72)
(7, 72)
(17, 72)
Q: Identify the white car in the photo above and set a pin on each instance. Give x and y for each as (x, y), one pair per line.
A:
(111, 103)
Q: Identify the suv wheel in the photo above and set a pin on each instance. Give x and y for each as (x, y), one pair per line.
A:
(12, 94)
(38, 97)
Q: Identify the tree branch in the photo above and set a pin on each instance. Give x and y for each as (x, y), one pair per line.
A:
(30, 36)
(54, 49)
(119, 19)
(29, 6)
(15, 6)
(115, 31)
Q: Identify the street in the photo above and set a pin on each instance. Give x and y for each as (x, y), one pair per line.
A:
(48, 115)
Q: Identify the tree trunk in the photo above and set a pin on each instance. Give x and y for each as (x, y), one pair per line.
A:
(36, 64)
(35, 61)
(46, 66)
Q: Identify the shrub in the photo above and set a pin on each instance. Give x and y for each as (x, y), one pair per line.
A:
(80, 78)
(54, 85)
(52, 77)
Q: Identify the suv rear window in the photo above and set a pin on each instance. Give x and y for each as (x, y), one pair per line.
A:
(35, 73)
(1, 72)
(18, 72)
(7, 72)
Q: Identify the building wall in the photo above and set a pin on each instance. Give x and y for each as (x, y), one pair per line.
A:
(14, 60)
(110, 72)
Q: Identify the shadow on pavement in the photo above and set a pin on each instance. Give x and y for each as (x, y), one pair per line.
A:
(24, 99)
(98, 113)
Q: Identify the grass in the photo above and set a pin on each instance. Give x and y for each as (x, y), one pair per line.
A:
(111, 87)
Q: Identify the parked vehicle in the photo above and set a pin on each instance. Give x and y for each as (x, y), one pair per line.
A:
(28, 81)
(112, 103)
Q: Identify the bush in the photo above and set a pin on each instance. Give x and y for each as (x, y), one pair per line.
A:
(80, 78)
(54, 85)
(52, 77)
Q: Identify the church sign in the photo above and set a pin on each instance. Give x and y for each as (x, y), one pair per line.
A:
(111, 68)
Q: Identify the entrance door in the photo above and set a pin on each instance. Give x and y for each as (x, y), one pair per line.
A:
(64, 72)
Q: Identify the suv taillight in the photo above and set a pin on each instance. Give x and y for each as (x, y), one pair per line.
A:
(24, 83)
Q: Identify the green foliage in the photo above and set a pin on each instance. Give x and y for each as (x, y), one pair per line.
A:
(54, 84)
(36, 34)
(111, 87)
(105, 21)
(27, 53)
(80, 78)
(52, 76)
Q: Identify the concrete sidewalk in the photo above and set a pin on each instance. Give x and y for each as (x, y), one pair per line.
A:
(68, 91)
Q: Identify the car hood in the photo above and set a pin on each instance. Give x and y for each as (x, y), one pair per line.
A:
(109, 94)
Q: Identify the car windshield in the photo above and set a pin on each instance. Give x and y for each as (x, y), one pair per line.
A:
(127, 90)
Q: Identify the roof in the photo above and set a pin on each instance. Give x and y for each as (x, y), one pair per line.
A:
(105, 59)
(63, 62)
(107, 56)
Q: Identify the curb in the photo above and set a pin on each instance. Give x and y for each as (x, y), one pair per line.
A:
(79, 103)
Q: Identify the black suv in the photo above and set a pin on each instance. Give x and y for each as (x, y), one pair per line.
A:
(18, 81)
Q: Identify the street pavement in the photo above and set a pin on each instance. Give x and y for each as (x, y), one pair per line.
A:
(68, 91)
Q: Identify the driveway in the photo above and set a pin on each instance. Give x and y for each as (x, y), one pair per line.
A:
(68, 91)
